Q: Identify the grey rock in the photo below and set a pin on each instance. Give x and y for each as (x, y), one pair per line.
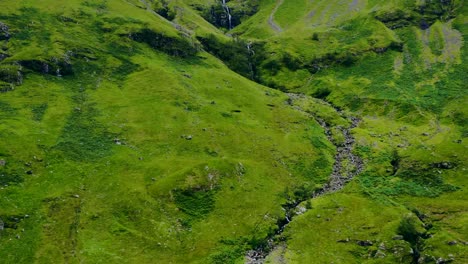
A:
(379, 254)
(452, 243)
(4, 32)
(365, 243)
(2, 163)
(398, 237)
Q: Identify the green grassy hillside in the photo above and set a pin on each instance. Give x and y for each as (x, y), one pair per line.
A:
(188, 131)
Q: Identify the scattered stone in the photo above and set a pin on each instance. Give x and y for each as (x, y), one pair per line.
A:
(443, 165)
(29, 172)
(382, 246)
(379, 254)
(441, 261)
(2, 163)
(189, 137)
(318, 216)
(398, 237)
(452, 243)
(343, 240)
(365, 243)
(425, 134)
(117, 141)
(75, 196)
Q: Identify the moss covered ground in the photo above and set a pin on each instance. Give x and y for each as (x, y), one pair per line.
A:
(149, 132)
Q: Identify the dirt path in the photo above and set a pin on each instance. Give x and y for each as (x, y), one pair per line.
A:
(271, 21)
(341, 174)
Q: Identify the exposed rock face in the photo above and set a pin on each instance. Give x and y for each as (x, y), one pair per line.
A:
(174, 46)
(4, 32)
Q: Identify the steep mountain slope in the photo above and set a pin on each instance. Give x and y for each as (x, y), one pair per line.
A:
(145, 131)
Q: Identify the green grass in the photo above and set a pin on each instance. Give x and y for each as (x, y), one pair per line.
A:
(144, 151)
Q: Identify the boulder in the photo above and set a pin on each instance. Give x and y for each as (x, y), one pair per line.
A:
(4, 32)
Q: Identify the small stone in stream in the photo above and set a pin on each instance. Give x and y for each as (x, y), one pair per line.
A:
(452, 243)
(398, 237)
(2, 163)
(365, 243)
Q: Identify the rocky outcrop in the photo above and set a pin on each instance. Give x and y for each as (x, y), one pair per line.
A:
(174, 46)
(54, 66)
(4, 32)
(10, 76)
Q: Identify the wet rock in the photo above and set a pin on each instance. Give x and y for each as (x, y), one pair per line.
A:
(365, 243)
(4, 32)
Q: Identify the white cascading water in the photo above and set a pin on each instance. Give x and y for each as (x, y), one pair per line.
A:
(228, 12)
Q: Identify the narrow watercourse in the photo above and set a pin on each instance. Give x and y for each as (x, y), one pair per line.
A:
(338, 179)
(228, 13)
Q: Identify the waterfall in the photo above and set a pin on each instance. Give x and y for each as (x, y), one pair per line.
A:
(251, 53)
(228, 12)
